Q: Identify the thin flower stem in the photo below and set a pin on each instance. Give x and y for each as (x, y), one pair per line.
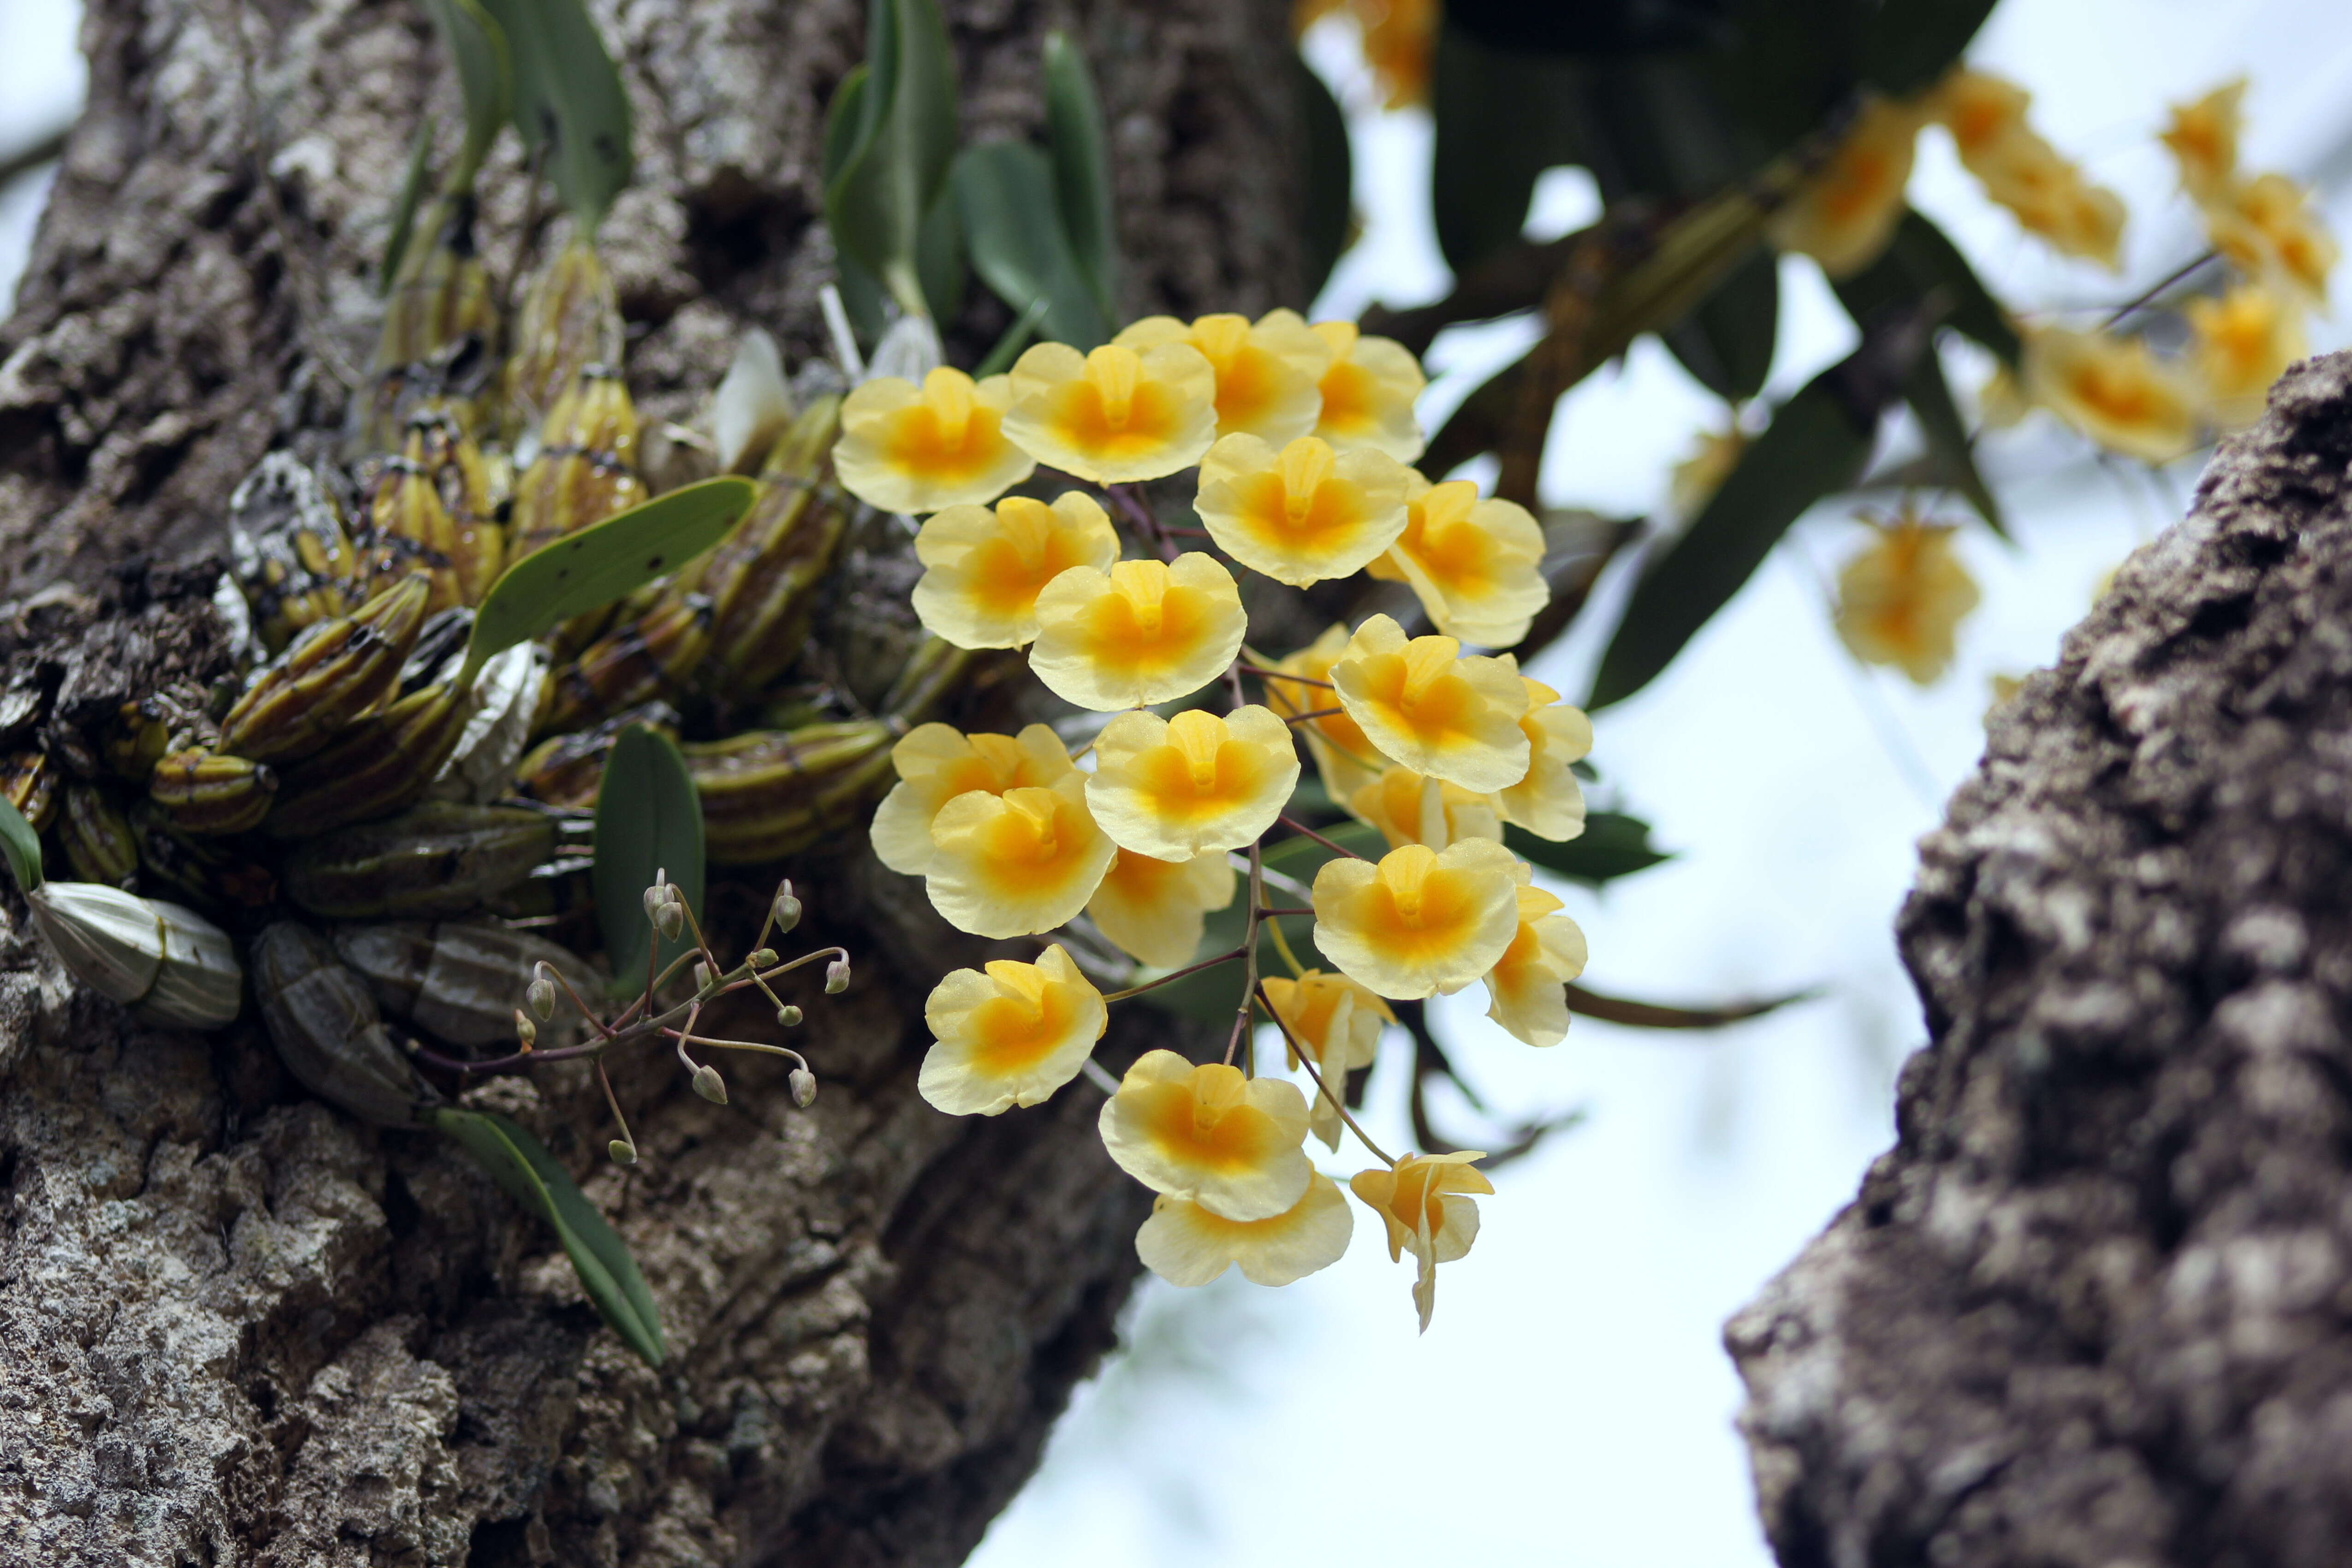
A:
(1264, 673)
(2148, 296)
(1124, 498)
(682, 1036)
(585, 1011)
(1298, 826)
(1187, 533)
(1306, 1059)
(1268, 914)
(1312, 713)
(717, 1043)
(614, 1101)
(1249, 960)
(1282, 946)
(1173, 975)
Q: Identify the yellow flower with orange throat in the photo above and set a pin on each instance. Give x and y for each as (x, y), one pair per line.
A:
(1418, 922)
(1368, 394)
(2268, 230)
(1475, 566)
(1423, 1203)
(1141, 633)
(1339, 1024)
(916, 450)
(1844, 214)
(937, 763)
(1983, 113)
(1345, 758)
(1178, 787)
(983, 567)
(1408, 808)
(1009, 1035)
(2240, 343)
(1424, 703)
(1185, 1244)
(2112, 390)
(1548, 802)
(1901, 600)
(2049, 197)
(1017, 863)
(1268, 372)
(1527, 990)
(1210, 1135)
(1154, 910)
(1302, 512)
(2203, 140)
(1113, 416)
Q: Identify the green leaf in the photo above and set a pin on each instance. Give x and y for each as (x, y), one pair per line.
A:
(1950, 450)
(897, 145)
(485, 73)
(590, 569)
(1327, 217)
(1613, 845)
(1502, 118)
(520, 1165)
(568, 102)
(648, 819)
(403, 208)
(1921, 264)
(1815, 447)
(1726, 343)
(21, 846)
(1081, 154)
(940, 257)
(1905, 47)
(1010, 218)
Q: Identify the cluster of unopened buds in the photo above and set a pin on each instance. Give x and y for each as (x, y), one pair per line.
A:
(1302, 436)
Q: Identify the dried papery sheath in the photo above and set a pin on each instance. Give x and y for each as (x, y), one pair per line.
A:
(169, 963)
(502, 702)
(326, 1029)
(751, 406)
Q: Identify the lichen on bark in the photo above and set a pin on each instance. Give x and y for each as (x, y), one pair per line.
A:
(237, 1327)
(2090, 1310)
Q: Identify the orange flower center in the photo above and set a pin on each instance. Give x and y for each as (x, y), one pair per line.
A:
(949, 434)
(1206, 1123)
(1112, 411)
(1010, 1033)
(1006, 571)
(1198, 772)
(1145, 624)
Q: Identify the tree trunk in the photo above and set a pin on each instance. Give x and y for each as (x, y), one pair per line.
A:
(239, 1327)
(2090, 1311)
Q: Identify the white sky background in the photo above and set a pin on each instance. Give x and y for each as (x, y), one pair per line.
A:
(1572, 1403)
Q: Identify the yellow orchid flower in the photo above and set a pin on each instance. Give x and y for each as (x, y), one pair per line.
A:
(1185, 1244)
(1303, 512)
(1409, 808)
(1342, 755)
(911, 449)
(1420, 920)
(1475, 566)
(1982, 112)
(1142, 632)
(1697, 477)
(2243, 343)
(937, 763)
(1902, 599)
(1424, 703)
(1369, 394)
(1154, 910)
(1267, 373)
(1178, 787)
(2112, 390)
(1843, 216)
(985, 568)
(2049, 197)
(1113, 416)
(1009, 1037)
(2203, 140)
(2268, 230)
(1548, 802)
(1527, 989)
(1017, 863)
(1229, 1143)
(1398, 37)
(1421, 1202)
(1339, 1023)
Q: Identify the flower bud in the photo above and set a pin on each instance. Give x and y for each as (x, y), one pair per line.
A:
(657, 897)
(173, 964)
(804, 1087)
(624, 1152)
(701, 976)
(837, 977)
(763, 958)
(788, 909)
(670, 920)
(542, 996)
(709, 1085)
(525, 1030)
(788, 1015)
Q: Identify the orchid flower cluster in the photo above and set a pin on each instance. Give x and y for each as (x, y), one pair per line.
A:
(1302, 436)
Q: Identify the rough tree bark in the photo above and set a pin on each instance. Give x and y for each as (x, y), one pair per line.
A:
(237, 1327)
(2090, 1311)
